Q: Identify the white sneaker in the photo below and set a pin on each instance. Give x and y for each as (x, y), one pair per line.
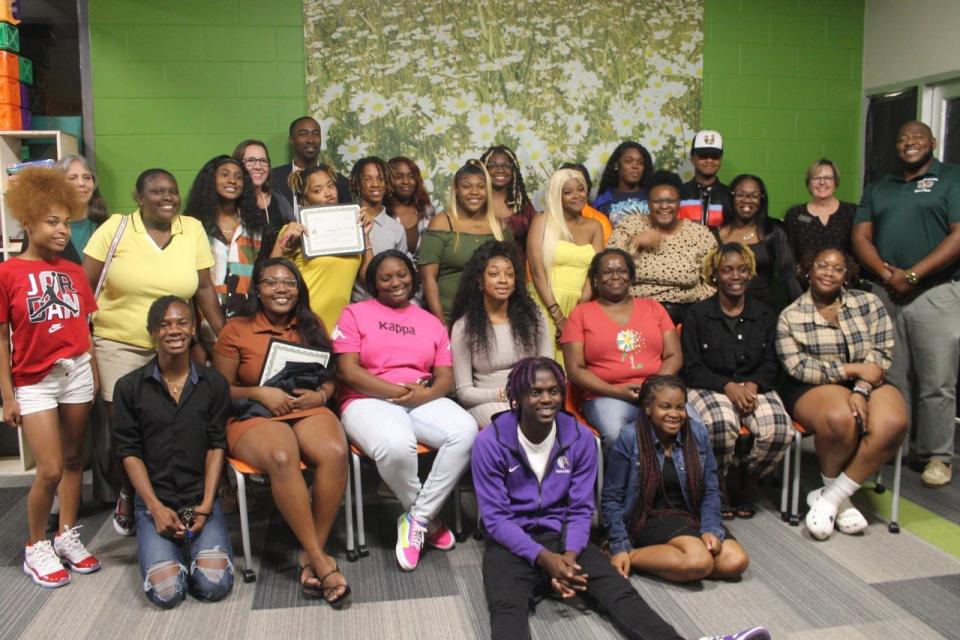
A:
(43, 565)
(71, 550)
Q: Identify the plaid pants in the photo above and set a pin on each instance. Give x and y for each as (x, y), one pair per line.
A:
(769, 423)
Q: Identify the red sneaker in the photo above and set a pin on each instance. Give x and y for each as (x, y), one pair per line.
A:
(71, 550)
(43, 565)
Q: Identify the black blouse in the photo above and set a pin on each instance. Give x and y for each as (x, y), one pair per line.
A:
(808, 235)
(775, 258)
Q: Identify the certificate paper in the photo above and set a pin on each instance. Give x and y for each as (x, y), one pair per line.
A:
(332, 230)
(280, 352)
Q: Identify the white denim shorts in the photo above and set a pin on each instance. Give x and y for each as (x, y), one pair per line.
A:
(69, 382)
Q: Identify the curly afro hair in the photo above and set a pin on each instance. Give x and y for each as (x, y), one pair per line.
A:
(34, 191)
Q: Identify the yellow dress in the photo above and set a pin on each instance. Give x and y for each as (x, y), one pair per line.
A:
(567, 276)
(330, 282)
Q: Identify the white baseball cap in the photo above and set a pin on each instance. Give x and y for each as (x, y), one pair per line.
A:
(707, 140)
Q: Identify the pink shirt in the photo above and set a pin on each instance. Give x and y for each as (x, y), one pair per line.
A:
(397, 345)
(627, 354)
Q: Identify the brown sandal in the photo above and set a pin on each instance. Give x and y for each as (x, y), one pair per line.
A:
(309, 590)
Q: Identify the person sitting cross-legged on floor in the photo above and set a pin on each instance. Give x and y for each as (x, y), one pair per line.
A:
(169, 420)
(534, 470)
(661, 500)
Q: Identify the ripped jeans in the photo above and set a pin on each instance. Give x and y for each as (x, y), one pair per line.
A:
(163, 560)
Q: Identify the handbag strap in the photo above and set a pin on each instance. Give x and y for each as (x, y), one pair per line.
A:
(109, 258)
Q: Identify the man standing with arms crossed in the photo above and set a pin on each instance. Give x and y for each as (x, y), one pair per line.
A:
(907, 233)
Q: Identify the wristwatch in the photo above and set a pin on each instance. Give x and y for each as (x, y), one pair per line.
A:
(912, 277)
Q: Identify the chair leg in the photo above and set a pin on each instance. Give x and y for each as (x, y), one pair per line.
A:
(795, 506)
(894, 526)
(249, 575)
(352, 555)
(878, 486)
(458, 514)
(599, 489)
(358, 493)
(785, 484)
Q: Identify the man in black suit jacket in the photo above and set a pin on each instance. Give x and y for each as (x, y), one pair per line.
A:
(305, 139)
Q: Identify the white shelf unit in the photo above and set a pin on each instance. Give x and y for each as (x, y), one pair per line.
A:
(11, 145)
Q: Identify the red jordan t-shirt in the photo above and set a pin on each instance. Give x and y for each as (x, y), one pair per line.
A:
(47, 305)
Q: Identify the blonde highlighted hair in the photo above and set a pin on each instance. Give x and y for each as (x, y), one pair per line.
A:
(475, 168)
(711, 261)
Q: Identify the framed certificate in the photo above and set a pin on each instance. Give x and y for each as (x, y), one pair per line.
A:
(280, 352)
(332, 230)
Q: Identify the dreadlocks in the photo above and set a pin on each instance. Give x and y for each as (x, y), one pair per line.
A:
(524, 374)
(356, 175)
(650, 476)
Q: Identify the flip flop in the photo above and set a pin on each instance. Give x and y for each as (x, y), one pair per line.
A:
(309, 590)
(336, 602)
(745, 510)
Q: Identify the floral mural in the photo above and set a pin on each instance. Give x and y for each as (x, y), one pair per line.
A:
(441, 80)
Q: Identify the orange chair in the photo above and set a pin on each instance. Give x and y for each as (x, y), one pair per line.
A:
(241, 470)
(356, 453)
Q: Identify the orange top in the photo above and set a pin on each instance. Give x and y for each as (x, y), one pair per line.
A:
(246, 340)
(593, 214)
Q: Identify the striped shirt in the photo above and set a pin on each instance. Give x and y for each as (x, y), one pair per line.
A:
(814, 351)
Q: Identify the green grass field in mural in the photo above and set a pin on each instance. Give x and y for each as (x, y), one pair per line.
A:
(442, 80)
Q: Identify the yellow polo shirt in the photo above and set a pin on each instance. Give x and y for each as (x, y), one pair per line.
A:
(141, 272)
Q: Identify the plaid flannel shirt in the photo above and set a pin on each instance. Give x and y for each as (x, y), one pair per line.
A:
(814, 351)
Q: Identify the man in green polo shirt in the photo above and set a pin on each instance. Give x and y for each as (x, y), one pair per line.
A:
(907, 233)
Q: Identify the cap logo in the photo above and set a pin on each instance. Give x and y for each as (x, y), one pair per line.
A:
(709, 138)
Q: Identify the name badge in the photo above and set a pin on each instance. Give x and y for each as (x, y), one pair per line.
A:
(804, 218)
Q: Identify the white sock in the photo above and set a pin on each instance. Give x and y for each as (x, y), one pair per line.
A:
(845, 503)
(840, 490)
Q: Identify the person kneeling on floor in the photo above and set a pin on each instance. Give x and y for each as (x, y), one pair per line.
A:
(534, 469)
(169, 425)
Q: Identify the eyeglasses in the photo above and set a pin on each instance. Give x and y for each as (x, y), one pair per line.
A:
(252, 162)
(823, 179)
(838, 269)
(664, 202)
(494, 166)
(743, 195)
(274, 283)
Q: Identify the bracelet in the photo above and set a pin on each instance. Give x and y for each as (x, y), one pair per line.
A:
(862, 391)
(324, 396)
(553, 308)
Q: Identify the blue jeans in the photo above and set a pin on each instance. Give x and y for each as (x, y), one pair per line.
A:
(609, 416)
(159, 553)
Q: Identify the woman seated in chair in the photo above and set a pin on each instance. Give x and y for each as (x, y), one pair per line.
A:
(394, 361)
(836, 343)
(615, 342)
(661, 502)
(495, 324)
(287, 427)
(730, 363)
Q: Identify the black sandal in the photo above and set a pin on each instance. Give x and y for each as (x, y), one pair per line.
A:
(336, 602)
(727, 512)
(745, 510)
(309, 590)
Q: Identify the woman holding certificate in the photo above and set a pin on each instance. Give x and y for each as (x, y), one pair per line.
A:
(453, 236)
(329, 278)
(286, 428)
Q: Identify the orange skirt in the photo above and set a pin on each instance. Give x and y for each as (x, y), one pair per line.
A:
(236, 428)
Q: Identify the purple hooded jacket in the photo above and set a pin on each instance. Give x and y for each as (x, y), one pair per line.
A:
(514, 505)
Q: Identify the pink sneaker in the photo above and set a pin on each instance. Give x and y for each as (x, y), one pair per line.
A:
(410, 532)
(43, 565)
(439, 536)
(71, 550)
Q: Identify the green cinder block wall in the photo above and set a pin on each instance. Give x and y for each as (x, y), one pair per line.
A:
(176, 82)
(782, 83)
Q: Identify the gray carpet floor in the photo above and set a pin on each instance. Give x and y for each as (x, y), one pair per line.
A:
(875, 585)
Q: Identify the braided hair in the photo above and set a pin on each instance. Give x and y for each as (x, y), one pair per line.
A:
(517, 198)
(651, 479)
(299, 180)
(523, 374)
(356, 176)
(522, 311)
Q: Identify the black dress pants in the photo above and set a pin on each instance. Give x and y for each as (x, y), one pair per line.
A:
(509, 582)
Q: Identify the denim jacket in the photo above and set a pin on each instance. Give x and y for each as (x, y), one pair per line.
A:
(621, 485)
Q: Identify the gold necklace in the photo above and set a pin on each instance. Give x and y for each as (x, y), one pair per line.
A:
(175, 387)
(746, 237)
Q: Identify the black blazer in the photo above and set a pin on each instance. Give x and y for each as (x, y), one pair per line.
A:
(713, 355)
(280, 175)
